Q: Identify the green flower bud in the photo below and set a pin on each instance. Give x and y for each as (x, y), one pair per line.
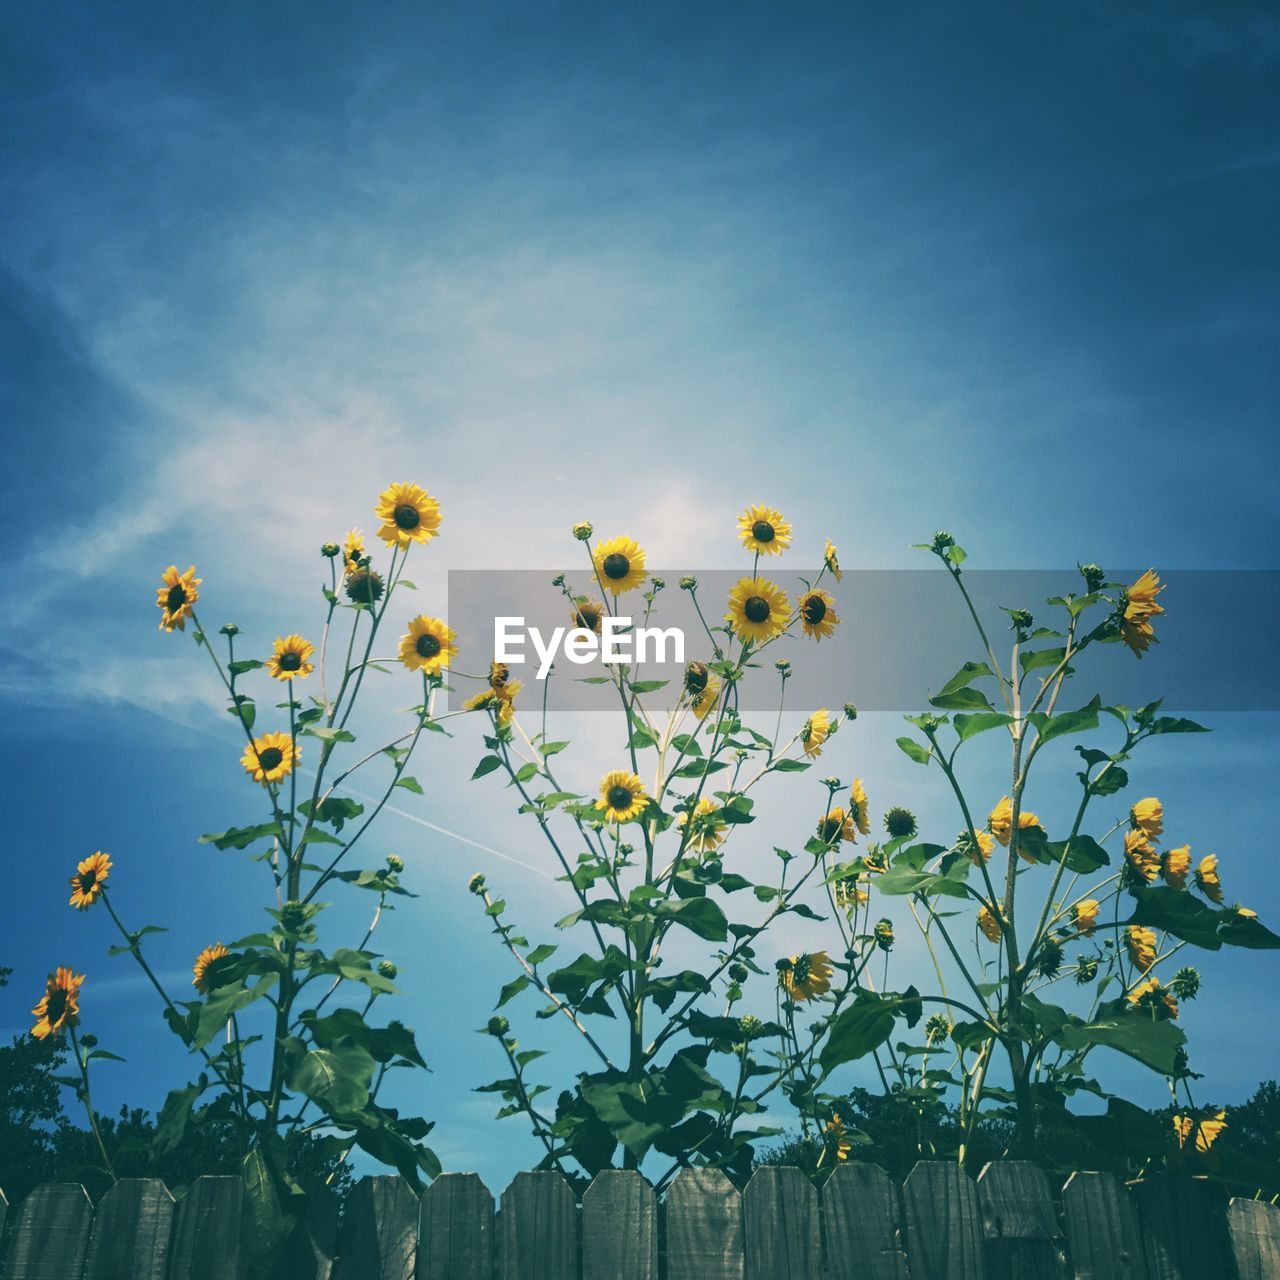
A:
(329, 550)
(936, 1028)
(883, 933)
(387, 969)
(582, 530)
(658, 584)
(498, 1026)
(476, 883)
(558, 580)
(395, 862)
(850, 711)
(1092, 575)
(783, 666)
(942, 541)
(688, 584)
(1186, 983)
(750, 1026)
(229, 629)
(739, 972)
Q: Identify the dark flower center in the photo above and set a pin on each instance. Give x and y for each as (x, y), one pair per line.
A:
(616, 566)
(800, 971)
(762, 531)
(756, 609)
(57, 1007)
(588, 619)
(815, 609)
(364, 586)
(270, 758)
(176, 598)
(695, 677)
(427, 645)
(87, 880)
(620, 798)
(407, 517)
(290, 660)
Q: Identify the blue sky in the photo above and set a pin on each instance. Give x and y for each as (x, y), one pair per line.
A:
(1007, 273)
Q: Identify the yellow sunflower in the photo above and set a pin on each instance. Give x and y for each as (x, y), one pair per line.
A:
(832, 561)
(1206, 1129)
(1000, 820)
(836, 1138)
(858, 809)
(587, 615)
(1138, 608)
(1141, 855)
(288, 659)
(428, 645)
(708, 826)
(707, 699)
(977, 849)
(408, 513)
(758, 609)
(622, 796)
(1207, 878)
(836, 823)
(817, 612)
(59, 1007)
(816, 730)
(352, 551)
(990, 924)
(89, 880)
(619, 564)
(807, 975)
(1148, 815)
(202, 977)
(1175, 866)
(764, 531)
(1152, 995)
(271, 758)
(1085, 915)
(1140, 943)
(500, 701)
(176, 597)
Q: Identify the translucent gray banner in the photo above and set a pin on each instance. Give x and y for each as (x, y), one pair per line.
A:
(901, 636)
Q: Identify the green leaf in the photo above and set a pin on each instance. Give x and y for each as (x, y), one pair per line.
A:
(1155, 1043)
(1077, 721)
(512, 989)
(337, 1077)
(487, 765)
(241, 665)
(857, 1031)
(647, 686)
(175, 1115)
(410, 784)
(1034, 659)
(327, 733)
(962, 700)
(241, 837)
(918, 753)
(699, 915)
(968, 726)
(786, 765)
(967, 674)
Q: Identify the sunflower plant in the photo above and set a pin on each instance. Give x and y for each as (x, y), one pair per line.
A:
(283, 1026)
(645, 848)
(1046, 945)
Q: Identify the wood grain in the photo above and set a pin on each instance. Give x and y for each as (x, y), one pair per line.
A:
(131, 1229)
(379, 1239)
(1023, 1240)
(1102, 1229)
(455, 1229)
(538, 1228)
(944, 1225)
(863, 1215)
(49, 1233)
(619, 1228)
(704, 1227)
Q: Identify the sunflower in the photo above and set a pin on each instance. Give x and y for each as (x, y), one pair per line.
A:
(89, 880)
(1175, 866)
(499, 675)
(764, 531)
(858, 811)
(850, 893)
(832, 561)
(288, 659)
(587, 615)
(758, 609)
(270, 758)
(619, 564)
(428, 645)
(977, 847)
(1140, 854)
(876, 860)
(707, 699)
(836, 1138)
(990, 924)
(1000, 820)
(1148, 816)
(176, 597)
(501, 701)
(816, 730)
(205, 969)
(1140, 943)
(1153, 997)
(900, 823)
(836, 824)
(1206, 878)
(1138, 607)
(805, 976)
(622, 796)
(364, 586)
(59, 1007)
(1085, 915)
(1206, 1129)
(708, 829)
(408, 513)
(352, 551)
(817, 612)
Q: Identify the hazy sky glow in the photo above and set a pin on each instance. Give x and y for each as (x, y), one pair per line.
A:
(1009, 274)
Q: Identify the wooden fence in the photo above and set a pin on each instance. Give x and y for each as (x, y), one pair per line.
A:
(940, 1225)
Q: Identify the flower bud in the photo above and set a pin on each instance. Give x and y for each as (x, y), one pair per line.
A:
(395, 862)
(688, 584)
(739, 972)
(582, 530)
(658, 584)
(229, 629)
(1086, 969)
(558, 580)
(942, 541)
(1092, 575)
(476, 883)
(883, 933)
(850, 711)
(783, 666)
(329, 550)
(294, 915)
(750, 1026)
(387, 969)
(1186, 983)
(498, 1026)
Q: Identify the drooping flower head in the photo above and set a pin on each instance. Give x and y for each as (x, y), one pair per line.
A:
(622, 796)
(707, 699)
(817, 612)
(977, 847)
(1148, 815)
(409, 514)
(858, 808)
(832, 561)
(836, 824)
(816, 730)
(836, 1138)
(59, 1007)
(289, 658)
(428, 646)
(806, 975)
(1152, 997)
(990, 924)
(1000, 821)
(176, 596)
(619, 563)
(1207, 878)
(352, 551)
(1141, 855)
(89, 880)
(270, 758)
(900, 823)
(1085, 915)
(205, 970)
(1138, 608)
(1140, 942)
(1205, 1128)
(708, 826)
(363, 586)
(764, 531)
(1175, 866)
(758, 609)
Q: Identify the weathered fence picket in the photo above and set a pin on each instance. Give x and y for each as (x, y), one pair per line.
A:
(538, 1228)
(455, 1229)
(940, 1225)
(619, 1228)
(944, 1226)
(1102, 1229)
